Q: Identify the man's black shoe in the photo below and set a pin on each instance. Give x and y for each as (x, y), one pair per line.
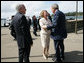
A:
(62, 58)
(58, 60)
(54, 58)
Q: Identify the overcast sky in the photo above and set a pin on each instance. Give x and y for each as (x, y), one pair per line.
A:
(35, 7)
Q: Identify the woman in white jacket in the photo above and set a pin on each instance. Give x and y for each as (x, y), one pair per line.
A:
(44, 33)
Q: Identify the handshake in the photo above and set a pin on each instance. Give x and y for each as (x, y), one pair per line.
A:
(44, 27)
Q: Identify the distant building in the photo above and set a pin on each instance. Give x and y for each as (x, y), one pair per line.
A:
(5, 22)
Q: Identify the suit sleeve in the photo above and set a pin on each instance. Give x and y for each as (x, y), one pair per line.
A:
(54, 22)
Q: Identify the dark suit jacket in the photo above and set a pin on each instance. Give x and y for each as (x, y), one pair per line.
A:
(21, 27)
(59, 26)
(35, 23)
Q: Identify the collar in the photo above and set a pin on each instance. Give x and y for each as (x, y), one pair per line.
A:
(56, 11)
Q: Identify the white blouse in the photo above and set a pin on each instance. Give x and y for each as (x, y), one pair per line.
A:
(43, 22)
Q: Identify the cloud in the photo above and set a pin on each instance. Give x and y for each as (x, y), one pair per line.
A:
(67, 6)
(70, 6)
(35, 7)
(80, 6)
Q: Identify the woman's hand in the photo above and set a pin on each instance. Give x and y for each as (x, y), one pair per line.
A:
(44, 27)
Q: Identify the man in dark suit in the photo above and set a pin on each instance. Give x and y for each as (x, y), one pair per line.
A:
(59, 32)
(38, 23)
(34, 19)
(23, 36)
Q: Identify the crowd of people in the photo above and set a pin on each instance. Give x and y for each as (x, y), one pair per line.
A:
(54, 28)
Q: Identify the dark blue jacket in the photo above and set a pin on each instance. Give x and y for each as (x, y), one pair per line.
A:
(58, 26)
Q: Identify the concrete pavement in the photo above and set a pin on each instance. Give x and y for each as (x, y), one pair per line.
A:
(73, 48)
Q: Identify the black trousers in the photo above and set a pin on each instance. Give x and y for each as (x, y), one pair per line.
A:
(34, 32)
(24, 54)
(59, 48)
(13, 34)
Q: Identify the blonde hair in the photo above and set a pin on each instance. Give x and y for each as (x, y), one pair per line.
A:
(42, 13)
